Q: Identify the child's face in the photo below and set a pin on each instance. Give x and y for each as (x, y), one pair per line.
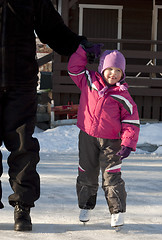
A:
(112, 75)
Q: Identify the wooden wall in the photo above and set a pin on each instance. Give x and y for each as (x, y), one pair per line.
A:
(136, 46)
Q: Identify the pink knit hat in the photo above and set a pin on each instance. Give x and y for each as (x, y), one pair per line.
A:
(112, 58)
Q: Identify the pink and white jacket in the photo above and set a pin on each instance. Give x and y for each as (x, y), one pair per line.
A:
(103, 112)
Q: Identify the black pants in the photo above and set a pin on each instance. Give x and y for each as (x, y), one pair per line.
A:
(17, 121)
(97, 154)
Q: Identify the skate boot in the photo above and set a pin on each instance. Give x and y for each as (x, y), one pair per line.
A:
(22, 218)
(84, 215)
(117, 219)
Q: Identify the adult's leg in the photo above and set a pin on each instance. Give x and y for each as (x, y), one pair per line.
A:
(88, 171)
(18, 126)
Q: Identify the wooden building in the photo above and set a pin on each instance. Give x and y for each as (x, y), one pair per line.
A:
(132, 26)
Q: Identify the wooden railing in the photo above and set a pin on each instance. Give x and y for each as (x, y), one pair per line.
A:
(146, 90)
(45, 59)
(144, 80)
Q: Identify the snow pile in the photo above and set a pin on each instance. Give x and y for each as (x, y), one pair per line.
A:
(64, 139)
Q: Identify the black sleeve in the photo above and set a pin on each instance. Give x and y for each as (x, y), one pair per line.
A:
(51, 30)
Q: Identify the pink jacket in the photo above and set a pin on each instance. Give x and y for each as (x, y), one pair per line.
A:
(103, 112)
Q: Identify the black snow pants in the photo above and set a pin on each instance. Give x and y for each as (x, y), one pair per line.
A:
(17, 121)
(97, 154)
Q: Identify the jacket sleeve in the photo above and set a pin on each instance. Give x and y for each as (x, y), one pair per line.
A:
(77, 67)
(51, 30)
(130, 122)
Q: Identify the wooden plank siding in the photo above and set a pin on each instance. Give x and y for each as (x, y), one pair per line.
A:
(146, 91)
(135, 44)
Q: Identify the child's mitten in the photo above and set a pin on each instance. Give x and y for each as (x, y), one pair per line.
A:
(93, 50)
(124, 152)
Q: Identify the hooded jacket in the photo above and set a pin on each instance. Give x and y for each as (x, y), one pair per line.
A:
(104, 112)
(19, 21)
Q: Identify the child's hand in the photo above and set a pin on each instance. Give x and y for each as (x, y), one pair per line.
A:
(124, 152)
(93, 50)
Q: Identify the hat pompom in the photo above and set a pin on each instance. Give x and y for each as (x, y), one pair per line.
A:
(121, 86)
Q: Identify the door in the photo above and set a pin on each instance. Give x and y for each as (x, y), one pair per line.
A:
(101, 21)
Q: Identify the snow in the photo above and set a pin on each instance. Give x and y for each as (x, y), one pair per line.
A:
(56, 213)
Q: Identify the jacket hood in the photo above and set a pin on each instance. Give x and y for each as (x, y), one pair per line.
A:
(119, 86)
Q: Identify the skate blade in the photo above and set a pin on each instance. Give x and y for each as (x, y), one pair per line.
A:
(117, 229)
(84, 222)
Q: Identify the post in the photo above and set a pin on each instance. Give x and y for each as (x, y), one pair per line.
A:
(154, 32)
(52, 122)
(65, 11)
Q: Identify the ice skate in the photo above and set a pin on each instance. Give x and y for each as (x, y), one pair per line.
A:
(117, 220)
(84, 215)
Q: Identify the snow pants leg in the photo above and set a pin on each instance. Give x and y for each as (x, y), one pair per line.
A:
(96, 154)
(17, 117)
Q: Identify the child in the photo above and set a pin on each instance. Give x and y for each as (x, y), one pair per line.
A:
(109, 128)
